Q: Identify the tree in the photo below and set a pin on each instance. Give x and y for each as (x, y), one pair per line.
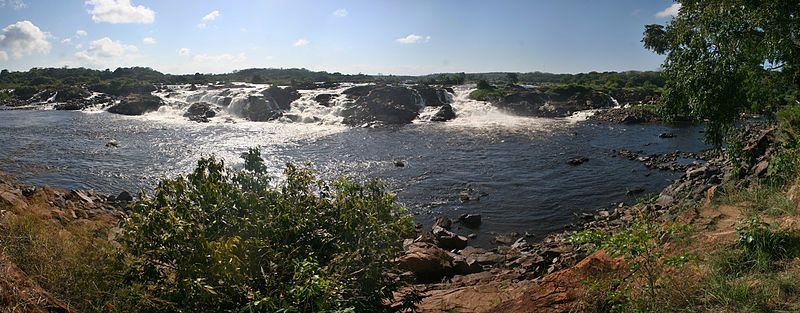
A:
(727, 57)
(512, 78)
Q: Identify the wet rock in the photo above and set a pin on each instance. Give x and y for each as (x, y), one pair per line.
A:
(200, 112)
(448, 240)
(137, 104)
(324, 99)
(551, 101)
(470, 220)
(578, 161)
(506, 239)
(464, 196)
(444, 114)
(387, 105)
(112, 144)
(432, 96)
(628, 116)
(634, 191)
(124, 196)
(399, 163)
(666, 135)
(443, 222)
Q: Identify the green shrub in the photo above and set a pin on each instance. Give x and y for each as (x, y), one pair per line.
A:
(222, 240)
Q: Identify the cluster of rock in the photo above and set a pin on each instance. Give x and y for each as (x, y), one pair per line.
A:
(62, 98)
(65, 206)
(664, 162)
(547, 102)
(440, 254)
(627, 115)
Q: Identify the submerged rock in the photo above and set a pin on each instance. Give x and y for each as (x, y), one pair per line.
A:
(578, 161)
(137, 104)
(470, 220)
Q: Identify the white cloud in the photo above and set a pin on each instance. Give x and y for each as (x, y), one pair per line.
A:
(3, 56)
(66, 41)
(413, 39)
(341, 13)
(220, 58)
(671, 11)
(107, 51)
(208, 18)
(23, 38)
(184, 51)
(149, 40)
(120, 12)
(14, 4)
(301, 42)
(81, 33)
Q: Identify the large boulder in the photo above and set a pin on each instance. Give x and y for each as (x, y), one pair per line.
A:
(448, 240)
(373, 104)
(444, 114)
(270, 104)
(200, 112)
(137, 104)
(428, 262)
(551, 102)
(432, 96)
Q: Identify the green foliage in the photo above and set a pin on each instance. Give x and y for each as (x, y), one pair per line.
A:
(221, 240)
(716, 53)
(640, 244)
(766, 199)
(77, 263)
(753, 275)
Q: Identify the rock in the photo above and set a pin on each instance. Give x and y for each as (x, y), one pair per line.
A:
(428, 263)
(666, 135)
(432, 96)
(444, 114)
(399, 163)
(577, 161)
(551, 101)
(373, 104)
(442, 222)
(506, 239)
(466, 266)
(269, 105)
(448, 240)
(112, 144)
(137, 104)
(324, 99)
(463, 196)
(489, 258)
(634, 191)
(470, 220)
(631, 115)
(200, 112)
(124, 196)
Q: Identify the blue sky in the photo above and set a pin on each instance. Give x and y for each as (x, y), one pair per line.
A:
(358, 36)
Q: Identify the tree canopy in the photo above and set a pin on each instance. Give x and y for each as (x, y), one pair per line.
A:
(727, 57)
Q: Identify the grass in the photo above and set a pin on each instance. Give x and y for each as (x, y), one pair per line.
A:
(76, 263)
(769, 200)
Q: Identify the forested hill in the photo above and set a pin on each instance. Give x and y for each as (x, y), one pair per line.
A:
(133, 78)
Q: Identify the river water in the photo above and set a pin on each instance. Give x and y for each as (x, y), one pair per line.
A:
(514, 168)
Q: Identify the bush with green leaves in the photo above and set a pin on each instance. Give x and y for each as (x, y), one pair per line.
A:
(220, 239)
(641, 246)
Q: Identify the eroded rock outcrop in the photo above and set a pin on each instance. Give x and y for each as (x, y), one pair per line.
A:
(137, 104)
(374, 104)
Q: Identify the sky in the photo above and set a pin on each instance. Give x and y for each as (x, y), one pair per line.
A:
(409, 37)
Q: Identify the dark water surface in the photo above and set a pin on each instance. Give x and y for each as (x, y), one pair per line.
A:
(516, 167)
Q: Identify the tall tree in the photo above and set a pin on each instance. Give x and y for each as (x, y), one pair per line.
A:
(725, 57)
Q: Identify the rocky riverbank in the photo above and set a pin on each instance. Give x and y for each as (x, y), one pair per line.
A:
(544, 276)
